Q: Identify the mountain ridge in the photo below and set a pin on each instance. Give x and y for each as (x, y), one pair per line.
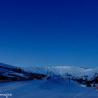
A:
(83, 76)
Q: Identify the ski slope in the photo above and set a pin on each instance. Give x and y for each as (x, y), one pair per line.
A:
(47, 89)
(54, 87)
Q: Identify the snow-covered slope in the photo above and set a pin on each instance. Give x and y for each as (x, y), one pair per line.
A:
(8, 72)
(54, 82)
(58, 70)
(12, 73)
(47, 89)
(62, 70)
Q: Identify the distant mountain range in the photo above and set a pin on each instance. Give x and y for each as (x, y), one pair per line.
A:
(85, 76)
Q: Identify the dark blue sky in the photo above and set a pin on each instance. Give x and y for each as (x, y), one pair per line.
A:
(49, 32)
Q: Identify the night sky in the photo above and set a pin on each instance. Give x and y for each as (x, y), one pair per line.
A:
(49, 32)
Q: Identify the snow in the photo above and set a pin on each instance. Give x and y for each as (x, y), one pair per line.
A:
(58, 70)
(55, 87)
(62, 70)
(47, 89)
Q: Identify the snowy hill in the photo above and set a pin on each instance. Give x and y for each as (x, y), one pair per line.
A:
(63, 70)
(84, 76)
(57, 70)
(12, 73)
(47, 89)
(48, 82)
